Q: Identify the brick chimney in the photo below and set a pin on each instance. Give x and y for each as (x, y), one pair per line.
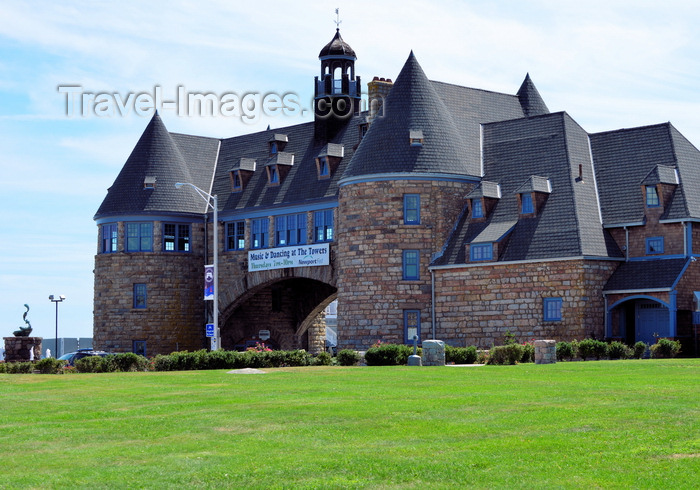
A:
(377, 90)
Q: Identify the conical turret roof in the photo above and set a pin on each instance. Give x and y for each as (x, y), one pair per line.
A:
(337, 47)
(158, 160)
(413, 107)
(530, 99)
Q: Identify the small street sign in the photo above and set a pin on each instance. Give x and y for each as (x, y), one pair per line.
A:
(210, 330)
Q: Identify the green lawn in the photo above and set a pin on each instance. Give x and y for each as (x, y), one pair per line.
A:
(608, 424)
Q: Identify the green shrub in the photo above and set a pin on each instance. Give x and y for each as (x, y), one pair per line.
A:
(505, 354)
(92, 364)
(528, 352)
(3, 367)
(482, 357)
(348, 357)
(322, 359)
(618, 350)
(388, 355)
(49, 365)
(19, 367)
(665, 349)
(125, 362)
(460, 355)
(639, 349)
(588, 348)
(565, 350)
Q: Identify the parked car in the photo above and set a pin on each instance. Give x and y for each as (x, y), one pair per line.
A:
(71, 357)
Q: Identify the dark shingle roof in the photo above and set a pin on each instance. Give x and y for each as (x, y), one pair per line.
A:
(169, 158)
(568, 224)
(646, 274)
(530, 99)
(412, 104)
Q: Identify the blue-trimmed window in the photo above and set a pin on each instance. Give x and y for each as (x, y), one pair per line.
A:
(273, 175)
(323, 226)
(552, 309)
(109, 238)
(411, 265)
(140, 296)
(139, 237)
(324, 170)
(655, 245)
(411, 209)
(236, 182)
(235, 235)
(526, 204)
(411, 325)
(176, 237)
(652, 197)
(481, 251)
(259, 233)
(477, 209)
(138, 347)
(290, 230)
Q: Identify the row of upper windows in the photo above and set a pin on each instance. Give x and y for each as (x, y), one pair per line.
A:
(288, 230)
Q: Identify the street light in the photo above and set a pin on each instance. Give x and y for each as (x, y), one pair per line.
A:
(213, 203)
(53, 299)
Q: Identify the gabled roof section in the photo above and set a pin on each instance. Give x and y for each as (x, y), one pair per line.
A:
(486, 189)
(646, 275)
(535, 184)
(530, 99)
(165, 158)
(661, 174)
(626, 157)
(686, 199)
(248, 164)
(568, 224)
(412, 104)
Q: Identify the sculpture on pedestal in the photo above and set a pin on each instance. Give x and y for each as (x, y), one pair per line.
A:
(24, 331)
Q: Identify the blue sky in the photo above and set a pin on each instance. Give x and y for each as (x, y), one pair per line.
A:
(609, 64)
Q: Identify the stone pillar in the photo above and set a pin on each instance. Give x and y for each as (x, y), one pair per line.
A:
(545, 351)
(22, 349)
(317, 334)
(433, 353)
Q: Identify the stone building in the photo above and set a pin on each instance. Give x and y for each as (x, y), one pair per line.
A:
(443, 211)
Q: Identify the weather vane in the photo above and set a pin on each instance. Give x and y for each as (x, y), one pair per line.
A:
(337, 19)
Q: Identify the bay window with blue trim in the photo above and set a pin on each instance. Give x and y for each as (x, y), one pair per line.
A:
(139, 237)
(109, 238)
(235, 235)
(552, 309)
(260, 231)
(411, 209)
(290, 230)
(323, 226)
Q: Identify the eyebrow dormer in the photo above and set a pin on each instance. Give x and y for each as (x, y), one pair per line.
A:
(328, 160)
(532, 195)
(415, 137)
(241, 174)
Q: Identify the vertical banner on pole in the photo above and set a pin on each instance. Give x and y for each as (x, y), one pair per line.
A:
(209, 282)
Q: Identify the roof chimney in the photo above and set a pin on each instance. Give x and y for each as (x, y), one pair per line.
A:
(377, 90)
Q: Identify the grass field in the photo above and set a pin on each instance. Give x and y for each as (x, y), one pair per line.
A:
(608, 424)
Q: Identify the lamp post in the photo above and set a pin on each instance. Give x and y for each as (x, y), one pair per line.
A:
(53, 299)
(213, 203)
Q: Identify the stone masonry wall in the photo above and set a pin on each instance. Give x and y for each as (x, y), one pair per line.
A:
(477, 305)
(372, 294)
(174, 317)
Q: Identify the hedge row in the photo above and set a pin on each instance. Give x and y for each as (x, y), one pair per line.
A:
(591, 348)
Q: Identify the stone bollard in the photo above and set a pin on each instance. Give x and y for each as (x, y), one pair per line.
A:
(415, 359)
(433, 353)
(545, 351)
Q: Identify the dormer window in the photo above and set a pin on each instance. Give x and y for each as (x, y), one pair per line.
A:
(236, 184)
(323, 170)
(652, 197)
(526, 206)
(240, 174)
(363, 130)
(149, 183)
(477, 209)
(533, 194)
(273, 175)
(277, 143)
(415, 137)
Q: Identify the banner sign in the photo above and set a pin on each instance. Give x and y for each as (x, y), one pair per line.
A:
(209, 282)
(281, 258)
